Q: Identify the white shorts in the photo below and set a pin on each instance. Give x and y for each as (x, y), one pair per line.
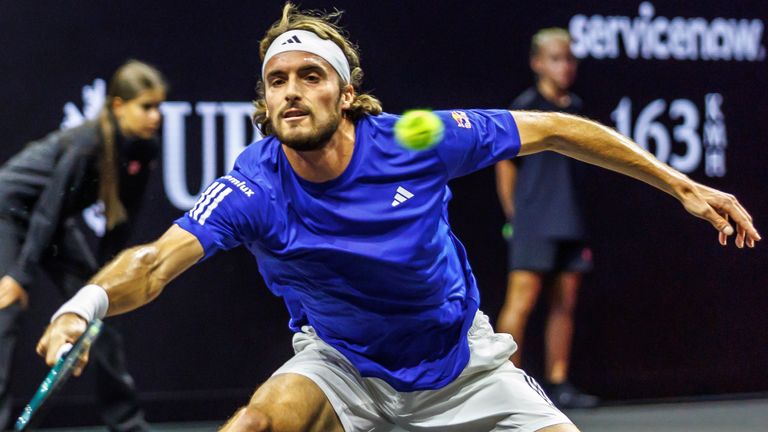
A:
(491, 394)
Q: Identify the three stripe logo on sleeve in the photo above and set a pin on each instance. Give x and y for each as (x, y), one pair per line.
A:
(208, 201)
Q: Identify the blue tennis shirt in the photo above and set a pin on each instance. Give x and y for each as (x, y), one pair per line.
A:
(368, 259)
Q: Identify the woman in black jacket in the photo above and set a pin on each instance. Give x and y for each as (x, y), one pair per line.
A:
(100, 167)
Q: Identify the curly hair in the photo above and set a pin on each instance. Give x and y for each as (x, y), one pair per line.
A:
(325, 25)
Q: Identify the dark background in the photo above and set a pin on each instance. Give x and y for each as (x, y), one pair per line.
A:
(666, 313)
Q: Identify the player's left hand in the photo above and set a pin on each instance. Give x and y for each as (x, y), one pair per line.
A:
(722, 210)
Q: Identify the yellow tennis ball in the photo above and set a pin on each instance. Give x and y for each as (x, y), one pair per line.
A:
(419, 130)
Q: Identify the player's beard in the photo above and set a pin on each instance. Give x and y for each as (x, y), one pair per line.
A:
(314, 140)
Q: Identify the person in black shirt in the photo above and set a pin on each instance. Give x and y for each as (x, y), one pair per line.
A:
(541, 202)
(102, 165)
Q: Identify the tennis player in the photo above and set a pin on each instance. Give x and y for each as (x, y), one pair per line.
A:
(352, 231)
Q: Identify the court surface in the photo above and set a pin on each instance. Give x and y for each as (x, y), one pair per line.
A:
(723, 416)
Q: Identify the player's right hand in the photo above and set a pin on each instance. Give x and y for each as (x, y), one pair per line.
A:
(64, 329)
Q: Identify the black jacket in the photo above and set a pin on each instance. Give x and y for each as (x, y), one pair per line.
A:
(53, 179)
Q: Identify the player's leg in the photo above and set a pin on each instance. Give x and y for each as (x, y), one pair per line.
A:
(10, 316)
(317, 389)
(559, 331)
(286, 402)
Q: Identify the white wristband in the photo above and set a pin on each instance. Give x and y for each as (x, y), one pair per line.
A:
(89, 303)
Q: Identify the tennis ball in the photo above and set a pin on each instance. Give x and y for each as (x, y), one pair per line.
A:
(419, 130)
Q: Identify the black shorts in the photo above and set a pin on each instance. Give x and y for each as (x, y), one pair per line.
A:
(549, 255)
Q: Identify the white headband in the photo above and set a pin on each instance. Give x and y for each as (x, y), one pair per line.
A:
(302, 40)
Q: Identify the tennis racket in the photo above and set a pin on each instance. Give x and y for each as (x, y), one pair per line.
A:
(57, 376)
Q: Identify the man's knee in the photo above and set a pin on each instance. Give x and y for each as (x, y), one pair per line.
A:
(248, 419)
(286, 402)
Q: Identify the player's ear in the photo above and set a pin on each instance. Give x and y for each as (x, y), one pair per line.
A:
(347, 96)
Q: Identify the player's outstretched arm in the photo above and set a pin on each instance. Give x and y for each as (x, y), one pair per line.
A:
(596, 144)
(138, 274)
(134, 278)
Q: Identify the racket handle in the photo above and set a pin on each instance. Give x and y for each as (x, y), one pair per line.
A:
(63, 350)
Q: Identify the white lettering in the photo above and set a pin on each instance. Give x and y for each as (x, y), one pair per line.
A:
(578, 28)
(630, 30)
(175, 153)
(236, 125)
(658, 37)
(715, 138)
(237, 121)
(599, 49)
(240, 185)
(686, 133)
(649, 130)
(208, 111)
(651, 133)
(677, 39)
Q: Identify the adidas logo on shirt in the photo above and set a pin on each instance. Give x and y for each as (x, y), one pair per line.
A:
(402, 195)
(294, 39)
(208, 201)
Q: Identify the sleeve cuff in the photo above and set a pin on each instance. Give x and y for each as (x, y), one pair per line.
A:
(207, 241)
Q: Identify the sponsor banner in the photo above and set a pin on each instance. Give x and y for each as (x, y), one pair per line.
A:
(649, 36)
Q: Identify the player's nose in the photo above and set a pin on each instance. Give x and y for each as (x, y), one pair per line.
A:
(292, 90)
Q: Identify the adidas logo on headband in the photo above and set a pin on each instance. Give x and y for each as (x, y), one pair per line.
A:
(311, 43)
(294, 39)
